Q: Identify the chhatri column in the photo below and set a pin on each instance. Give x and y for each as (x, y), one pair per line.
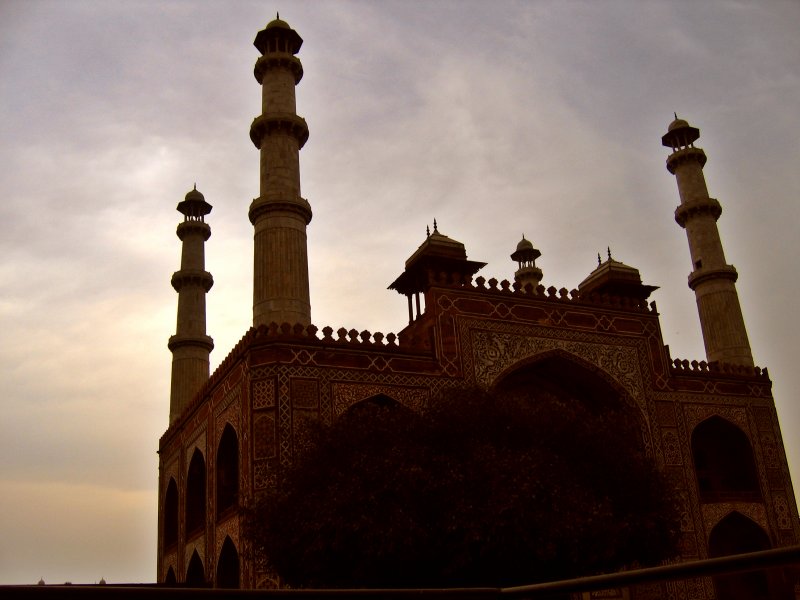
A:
(190, 345)
(712, 279)
(528, 273)
(279, 215)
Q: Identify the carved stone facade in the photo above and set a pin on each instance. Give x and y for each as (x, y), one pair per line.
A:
(276, 378)
(711, 427)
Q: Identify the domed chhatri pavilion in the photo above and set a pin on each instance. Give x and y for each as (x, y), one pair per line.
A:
(710, 425)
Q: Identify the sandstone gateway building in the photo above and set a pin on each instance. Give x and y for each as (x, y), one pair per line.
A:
(711, 425)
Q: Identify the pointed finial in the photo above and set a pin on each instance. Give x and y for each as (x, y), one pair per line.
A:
(676, 115)
(427, 231)
(435, 227)
(523, 236)
(599, 261)
(195, 186)
(277, 15)
(609, 252)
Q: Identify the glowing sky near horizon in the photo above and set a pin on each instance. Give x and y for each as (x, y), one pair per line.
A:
(497, 119)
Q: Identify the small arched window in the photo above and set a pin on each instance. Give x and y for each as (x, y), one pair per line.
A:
(171, 514)
(196, 494)
(195, 572)
(227, 471)
(724, 463)
(228, 566)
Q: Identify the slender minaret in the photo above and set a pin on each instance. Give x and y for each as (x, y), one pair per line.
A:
(190, 345)
(713, 280)
(279, 215)
(525, 256)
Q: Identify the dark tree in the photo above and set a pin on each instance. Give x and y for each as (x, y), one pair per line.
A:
(481, 490)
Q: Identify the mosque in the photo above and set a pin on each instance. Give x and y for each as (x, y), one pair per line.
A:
(711, 424)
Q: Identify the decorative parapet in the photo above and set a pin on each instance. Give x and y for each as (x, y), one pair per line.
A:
(550, 294)
(300, 334)
(716, 368)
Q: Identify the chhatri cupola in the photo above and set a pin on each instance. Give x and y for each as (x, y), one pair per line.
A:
(615, 278)
(528, 273)
(437, 258)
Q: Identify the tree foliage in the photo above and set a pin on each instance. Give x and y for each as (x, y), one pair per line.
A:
(480, 490)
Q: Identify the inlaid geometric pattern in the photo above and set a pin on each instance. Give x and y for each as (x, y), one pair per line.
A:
(782, 515)
(228, 528)
(264, 393)
(496, 352)
(714, 513)
(264, 436)
(305, 393)
(671, 447)
(264, 474)
(346, 395)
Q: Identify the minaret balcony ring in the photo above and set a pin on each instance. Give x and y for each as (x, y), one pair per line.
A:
(262, 206)
(727, 272)
(705, 206)
(185, 277)
(684, 155)
(278, 61)
(187, 227)
(201, 341)
(285, 123)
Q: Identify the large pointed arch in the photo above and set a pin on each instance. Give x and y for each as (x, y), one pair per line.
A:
(196, 494)
(228, 566)
(195, 572)
(227, 471)
(724, 463)
(568, 371)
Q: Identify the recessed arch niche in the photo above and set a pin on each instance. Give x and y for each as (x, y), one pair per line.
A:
(568, 377)
(724, 463)
(737, 534)
(228, 566)
(196, 494)
(227, 471)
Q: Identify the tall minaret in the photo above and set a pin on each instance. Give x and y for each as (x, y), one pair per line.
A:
(279, 215)
(713, 280)
(190, 345)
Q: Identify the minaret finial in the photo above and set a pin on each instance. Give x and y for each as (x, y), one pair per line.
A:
(676, 115)
(277, 15)
(435, 227)
(427, 231)
(599, 260)
(609, 252)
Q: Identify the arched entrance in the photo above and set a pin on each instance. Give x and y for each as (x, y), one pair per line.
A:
(736, 534)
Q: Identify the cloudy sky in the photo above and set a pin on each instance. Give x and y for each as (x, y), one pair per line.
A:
(495, 118)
